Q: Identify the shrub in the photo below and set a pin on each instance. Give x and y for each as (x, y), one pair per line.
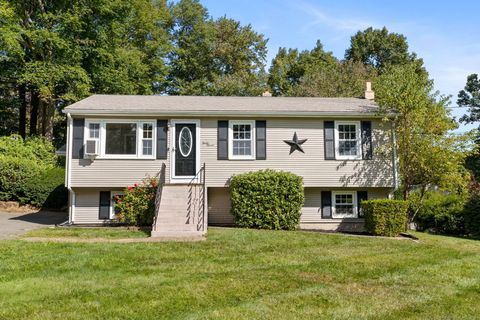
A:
(267, 199)
(441, 213)
(46, 190)
(385, 217)
(471, 215)
(137, 205)
(35, 149)
(14, 175)
(25, 165)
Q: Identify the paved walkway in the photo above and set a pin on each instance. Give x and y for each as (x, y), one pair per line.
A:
(15, 224)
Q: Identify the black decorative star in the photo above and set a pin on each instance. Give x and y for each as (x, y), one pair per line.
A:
(295, 144)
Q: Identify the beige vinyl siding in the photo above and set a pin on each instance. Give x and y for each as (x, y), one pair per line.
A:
(87, 201)
(315, 170)
(112, 173)
(311, 165)
(219, 205)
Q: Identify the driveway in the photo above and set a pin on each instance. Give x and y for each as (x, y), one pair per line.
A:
(15, 224)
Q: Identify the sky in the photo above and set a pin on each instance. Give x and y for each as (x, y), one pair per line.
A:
(446, 34)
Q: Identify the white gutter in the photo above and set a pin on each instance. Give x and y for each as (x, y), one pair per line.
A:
(224, 113)
(68, 165)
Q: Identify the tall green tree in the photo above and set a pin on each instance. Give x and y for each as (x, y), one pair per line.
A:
(290, 66)
(317, 73)
(341, 79)
(428, 154)
(213, 57)
(470, 97)
(380, 48)
(57, 52)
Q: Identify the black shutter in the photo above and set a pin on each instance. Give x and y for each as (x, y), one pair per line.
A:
(326, 204)
(361, 196)
(367, 152)
(77, 141)
(104, 207)
(162, 145)
(222, 140)
(329, 139)
(261, 139)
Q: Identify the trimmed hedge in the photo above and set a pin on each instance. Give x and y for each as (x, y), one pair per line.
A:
(385, 217)
(45, 190)
(267, 199)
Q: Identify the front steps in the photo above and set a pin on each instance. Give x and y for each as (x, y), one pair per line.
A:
(180, 213)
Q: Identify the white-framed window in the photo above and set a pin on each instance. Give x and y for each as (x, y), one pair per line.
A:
(147, 139)
(241, 140)
(122, 139)
(348, 143)
(344, 204)
(114, 197)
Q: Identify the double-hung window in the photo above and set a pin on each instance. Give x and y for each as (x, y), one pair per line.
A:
(344, 204)
(122, 139)
(348, 140)
(147, 139)
(241, 140)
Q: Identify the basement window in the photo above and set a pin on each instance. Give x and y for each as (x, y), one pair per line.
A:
(344, 204)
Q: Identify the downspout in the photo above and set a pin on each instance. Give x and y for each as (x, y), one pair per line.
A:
(394, 158)
(71, 193)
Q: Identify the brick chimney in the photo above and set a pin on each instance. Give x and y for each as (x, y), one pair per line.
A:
(369, 94)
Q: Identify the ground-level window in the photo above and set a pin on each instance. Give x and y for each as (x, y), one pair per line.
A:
(348, 140)
(344, 204)
(241, 144)
(115, 196)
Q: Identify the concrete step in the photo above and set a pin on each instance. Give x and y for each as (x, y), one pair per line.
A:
(179, 236)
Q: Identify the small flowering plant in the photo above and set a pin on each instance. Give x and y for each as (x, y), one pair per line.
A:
(137, 205)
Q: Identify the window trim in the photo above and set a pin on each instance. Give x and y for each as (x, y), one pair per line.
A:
(139, 138)
(334, 205)
(358, 130)
(112, 208)
(231, 123)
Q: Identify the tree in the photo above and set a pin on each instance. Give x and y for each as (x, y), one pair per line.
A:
(379, 49)
(290, 66)
(470, 98)
(428, 154)
(57, 52)
(213, 57)
(342, 79)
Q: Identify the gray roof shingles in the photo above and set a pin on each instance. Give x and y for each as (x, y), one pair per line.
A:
(209, 105)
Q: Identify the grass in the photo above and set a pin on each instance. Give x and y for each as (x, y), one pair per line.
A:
(243, 274)
(88, 233)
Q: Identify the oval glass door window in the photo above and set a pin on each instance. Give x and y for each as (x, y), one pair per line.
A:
(185, 141)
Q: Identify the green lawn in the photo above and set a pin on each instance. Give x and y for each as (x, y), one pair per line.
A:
(88, 233)
(243, 274)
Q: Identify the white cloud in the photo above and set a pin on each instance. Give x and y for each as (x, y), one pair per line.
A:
(338, 23)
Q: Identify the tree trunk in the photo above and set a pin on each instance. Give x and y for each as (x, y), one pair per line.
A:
(22, 124)
(34, 113)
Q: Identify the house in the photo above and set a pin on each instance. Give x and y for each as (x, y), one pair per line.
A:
(195, 144)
